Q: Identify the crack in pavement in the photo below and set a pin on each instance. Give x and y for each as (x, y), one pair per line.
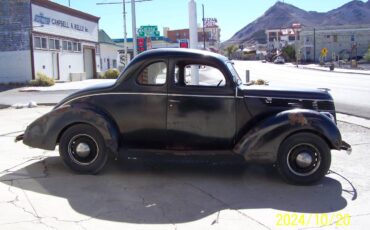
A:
(227, 205)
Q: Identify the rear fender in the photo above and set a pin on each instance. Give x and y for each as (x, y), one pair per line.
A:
(261, 143)
(45, 132)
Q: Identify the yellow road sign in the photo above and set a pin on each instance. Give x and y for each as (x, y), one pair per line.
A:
(324, 52)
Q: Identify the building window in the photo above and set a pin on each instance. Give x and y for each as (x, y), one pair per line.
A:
(40, 43)
(335, 38)
(65, 45)
(37, 42)
(75, 48)
(54, 44)
(352, 38)
(69, 46)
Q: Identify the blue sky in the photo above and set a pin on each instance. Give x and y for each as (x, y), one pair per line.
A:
(232, 15)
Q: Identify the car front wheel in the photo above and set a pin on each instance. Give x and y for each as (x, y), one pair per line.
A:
(82, 149)
(303, 159)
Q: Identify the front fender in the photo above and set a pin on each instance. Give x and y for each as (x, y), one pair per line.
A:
(262, 142)
(46, 130)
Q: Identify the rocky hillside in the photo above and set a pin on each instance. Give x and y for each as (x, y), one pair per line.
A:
(284, 15)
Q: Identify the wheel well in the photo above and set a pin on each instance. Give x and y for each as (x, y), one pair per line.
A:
(312, 132)
(67, 127)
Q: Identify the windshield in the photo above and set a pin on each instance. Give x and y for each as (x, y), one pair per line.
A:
(235, 74)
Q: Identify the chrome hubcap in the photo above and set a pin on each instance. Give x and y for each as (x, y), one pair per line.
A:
(82, 149)
(304, 159)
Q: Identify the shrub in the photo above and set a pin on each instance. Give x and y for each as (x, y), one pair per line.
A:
(111, 74)
(367, 55)
(258, 82)
(42, 80)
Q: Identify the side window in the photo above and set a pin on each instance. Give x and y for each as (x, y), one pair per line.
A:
(199, 75)
(153, 74)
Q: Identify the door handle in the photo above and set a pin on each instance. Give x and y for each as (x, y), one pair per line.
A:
(174, 101)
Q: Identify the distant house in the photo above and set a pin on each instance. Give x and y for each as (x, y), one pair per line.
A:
(343, 42)
(109, 52)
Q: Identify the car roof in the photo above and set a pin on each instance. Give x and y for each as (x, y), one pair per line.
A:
(180, 52)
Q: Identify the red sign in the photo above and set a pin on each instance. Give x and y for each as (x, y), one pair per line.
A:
(184, 44)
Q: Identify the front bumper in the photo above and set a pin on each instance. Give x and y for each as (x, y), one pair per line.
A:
(347, 147)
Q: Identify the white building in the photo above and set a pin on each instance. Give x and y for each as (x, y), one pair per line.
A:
(343, 42)
(53, 39)
(109, 52)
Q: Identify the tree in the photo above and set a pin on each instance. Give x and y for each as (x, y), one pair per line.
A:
(289, 53)
(230, 50)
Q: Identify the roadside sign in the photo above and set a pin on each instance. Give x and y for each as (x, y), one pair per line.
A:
(324, 52)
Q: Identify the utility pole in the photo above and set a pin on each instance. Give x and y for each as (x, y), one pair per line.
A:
(193, 36)
(124, 23)
(314, 45)
(124, 31)
(134, 37)
(69, 3)
(204, 32)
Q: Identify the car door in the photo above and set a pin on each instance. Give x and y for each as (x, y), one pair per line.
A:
(200, 116)
(141, 107)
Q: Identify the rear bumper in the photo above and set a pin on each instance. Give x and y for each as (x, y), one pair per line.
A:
(19, 137)
(347, 147)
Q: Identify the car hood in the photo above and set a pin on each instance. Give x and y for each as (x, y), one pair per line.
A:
(97, 88)
(285, 92)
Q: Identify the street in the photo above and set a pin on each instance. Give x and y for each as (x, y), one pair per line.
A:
(351, 92)
(38, 191)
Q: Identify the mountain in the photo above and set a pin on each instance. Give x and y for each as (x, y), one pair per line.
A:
(283, 15)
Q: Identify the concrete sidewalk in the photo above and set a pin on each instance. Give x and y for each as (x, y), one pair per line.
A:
(66, 86)
(326, 69)
(38, 192)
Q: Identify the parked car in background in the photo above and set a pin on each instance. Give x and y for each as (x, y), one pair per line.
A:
(279, 60)
(158, 107)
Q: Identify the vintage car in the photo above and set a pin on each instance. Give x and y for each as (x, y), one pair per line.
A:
(190, 103)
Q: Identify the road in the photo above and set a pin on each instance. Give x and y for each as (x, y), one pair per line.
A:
(351, 92)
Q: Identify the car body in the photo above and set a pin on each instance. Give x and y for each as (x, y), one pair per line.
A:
(279, 60)
(157, 107)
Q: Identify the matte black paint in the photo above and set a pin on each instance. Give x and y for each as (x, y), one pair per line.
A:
(250, 121)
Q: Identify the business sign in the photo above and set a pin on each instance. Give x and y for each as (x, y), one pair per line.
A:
(148, 31)
(184, 44)
(210, 22)
(43, 20)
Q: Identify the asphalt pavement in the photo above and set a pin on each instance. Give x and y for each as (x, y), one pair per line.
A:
(351, 91)
(38, 192)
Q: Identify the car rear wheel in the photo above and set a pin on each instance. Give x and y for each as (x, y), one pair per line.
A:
(303, 159)
(82, 149)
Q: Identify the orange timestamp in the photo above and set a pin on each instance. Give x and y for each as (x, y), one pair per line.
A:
(316, 219)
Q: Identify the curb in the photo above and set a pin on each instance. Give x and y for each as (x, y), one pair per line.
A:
(4, 106)
(363, 122)
(335, 71)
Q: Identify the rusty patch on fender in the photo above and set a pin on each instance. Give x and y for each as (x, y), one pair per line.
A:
(297, 119)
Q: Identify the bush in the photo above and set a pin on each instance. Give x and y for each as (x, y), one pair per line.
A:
(42, 80)
(258, 82)
(111, 74)
(367, 55)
